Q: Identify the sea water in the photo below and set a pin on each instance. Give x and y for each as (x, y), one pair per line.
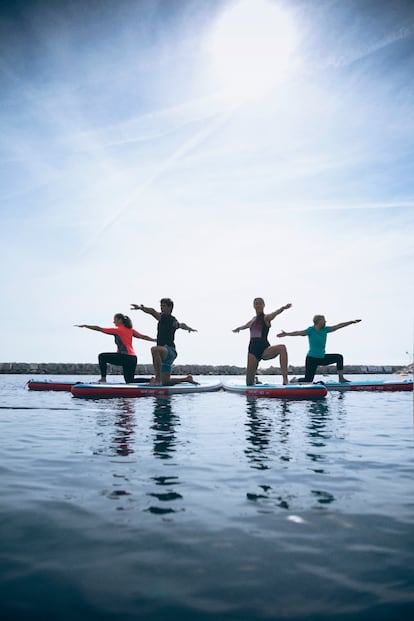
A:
(209, 506)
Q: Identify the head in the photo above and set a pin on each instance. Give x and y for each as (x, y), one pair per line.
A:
(319, 321)
(167, 305)
(258, 304)
(122, 320)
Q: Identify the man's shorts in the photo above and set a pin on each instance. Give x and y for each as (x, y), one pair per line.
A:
(166, 364)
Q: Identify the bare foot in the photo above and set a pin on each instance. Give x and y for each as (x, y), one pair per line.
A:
(190, 379)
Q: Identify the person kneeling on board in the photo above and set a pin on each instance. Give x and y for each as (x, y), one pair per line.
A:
(164, 352)
(125, 356)
(259, 346)
(316, 355)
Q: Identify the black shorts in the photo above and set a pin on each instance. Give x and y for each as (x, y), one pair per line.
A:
(257, 347)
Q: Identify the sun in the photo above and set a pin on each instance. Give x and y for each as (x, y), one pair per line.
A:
(251, 47)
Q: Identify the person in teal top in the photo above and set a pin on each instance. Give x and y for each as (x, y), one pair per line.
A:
(317, 342)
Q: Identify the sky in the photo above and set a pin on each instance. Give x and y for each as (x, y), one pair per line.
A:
(212, 152)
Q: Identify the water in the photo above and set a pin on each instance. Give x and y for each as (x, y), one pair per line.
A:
(210, 506)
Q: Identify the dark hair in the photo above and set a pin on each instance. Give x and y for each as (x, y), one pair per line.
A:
(125, 320)
(168, 302)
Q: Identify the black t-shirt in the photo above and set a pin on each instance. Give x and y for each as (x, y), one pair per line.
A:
(167, 326)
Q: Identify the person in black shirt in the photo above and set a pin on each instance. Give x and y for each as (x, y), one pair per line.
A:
(164, 352)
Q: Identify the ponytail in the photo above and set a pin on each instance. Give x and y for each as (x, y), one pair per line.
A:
(126, 321)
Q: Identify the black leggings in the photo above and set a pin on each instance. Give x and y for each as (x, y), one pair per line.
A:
(312, 364)
(127, 362)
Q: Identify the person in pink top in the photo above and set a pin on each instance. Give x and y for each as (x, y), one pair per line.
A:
(125, 355)
(259, 346)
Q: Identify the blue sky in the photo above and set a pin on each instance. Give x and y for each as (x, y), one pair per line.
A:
(134, 167)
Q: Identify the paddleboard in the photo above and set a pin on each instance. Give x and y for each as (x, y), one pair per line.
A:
(64, 385)
(373, 385)
(290, 391)
(98, 391)
(50, 385)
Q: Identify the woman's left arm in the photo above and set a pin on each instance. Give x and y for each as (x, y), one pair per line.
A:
(271, 316)
(144, 337)
(338, 326)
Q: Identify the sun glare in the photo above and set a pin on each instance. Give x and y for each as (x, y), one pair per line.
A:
(251, 46)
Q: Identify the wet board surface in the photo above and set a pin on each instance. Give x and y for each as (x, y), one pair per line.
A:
(290, 391)
(97, 391)
(374, 385)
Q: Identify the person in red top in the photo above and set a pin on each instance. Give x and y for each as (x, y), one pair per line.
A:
(125, 355)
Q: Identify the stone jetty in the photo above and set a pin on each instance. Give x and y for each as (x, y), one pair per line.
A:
(82, 368)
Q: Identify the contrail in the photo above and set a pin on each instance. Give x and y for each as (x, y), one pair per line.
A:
(217, 122)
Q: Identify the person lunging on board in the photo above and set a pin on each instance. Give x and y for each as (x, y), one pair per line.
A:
(259, 346)
(125, 356)
(316, 355)
(164, 352)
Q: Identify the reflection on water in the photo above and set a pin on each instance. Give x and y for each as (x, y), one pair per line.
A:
(267, 439)
(164, 428)
(124, 429)
(273, 440)
(258, 434)
(121, 445)
(267, 431)
(212, 507)
(318, 433)
(164, 446)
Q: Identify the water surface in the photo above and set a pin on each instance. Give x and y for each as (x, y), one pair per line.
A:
(209, 506)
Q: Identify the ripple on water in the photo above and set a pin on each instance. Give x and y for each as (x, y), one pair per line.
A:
(214, 506)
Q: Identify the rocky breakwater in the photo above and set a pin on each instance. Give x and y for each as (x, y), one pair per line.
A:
(73, 368)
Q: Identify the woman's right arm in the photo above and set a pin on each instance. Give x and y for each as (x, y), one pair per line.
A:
(246, 325)
(85, 325)
(295, 333)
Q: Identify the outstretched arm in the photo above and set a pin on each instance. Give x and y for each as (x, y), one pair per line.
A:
(270, 316)
(184, 326)
(244, 327)
(295, 333)
(338, 326)
(147, 309)
(145, 337)
(85, 325)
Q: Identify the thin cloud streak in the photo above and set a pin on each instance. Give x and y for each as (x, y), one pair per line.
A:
(399, 35)
(164, 166)
(125, 176)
